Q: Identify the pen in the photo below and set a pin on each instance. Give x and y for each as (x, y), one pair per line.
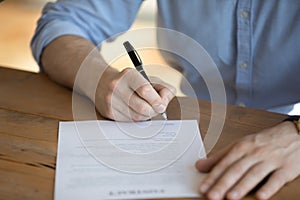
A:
(138, 64)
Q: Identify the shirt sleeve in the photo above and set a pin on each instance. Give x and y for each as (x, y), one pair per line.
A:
(95, 20)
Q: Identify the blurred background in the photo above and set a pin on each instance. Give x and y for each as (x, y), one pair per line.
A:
(18, 22)
(19, 18)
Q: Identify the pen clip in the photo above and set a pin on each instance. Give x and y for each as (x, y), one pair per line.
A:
(134, 56)
(138, 56)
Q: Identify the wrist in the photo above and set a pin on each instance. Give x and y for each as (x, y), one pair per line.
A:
(103, 83)
(92, 73)
(294, 121)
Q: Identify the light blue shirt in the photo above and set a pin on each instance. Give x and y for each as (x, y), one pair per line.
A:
(254, 43)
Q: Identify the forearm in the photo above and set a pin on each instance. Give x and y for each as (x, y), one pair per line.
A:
(76, 63)
(63, 57)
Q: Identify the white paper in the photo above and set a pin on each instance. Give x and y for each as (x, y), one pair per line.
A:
(115, 160)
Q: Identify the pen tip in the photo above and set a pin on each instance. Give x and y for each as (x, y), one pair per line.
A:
(164, 115)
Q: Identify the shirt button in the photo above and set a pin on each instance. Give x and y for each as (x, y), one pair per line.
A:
(243, 65)
(242, 105)
(244, 14)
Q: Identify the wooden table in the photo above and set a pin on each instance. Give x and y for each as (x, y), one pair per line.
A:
(31, 105)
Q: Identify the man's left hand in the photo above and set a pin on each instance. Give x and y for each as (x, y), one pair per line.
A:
(237, 169)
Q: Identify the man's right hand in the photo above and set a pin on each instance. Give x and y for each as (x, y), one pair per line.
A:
(128, 96)
(122, 96)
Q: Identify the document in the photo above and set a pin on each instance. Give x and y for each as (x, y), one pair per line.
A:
(128, 160)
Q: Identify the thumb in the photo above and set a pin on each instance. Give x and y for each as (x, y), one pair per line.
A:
(206, 165)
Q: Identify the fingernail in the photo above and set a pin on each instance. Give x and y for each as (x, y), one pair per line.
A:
(214, 195)
(166, 99)
(262, 195)
(204, 188)
(233, 195)
(159, 108)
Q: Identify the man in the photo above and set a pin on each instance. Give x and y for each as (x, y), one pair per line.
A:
(254, 44)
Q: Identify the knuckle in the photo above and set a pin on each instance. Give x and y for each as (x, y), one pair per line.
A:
(278, 152)
(136, 117)
(238, 168)
(113, 85)
(151, 113)
(125, 71)
(142, 109)
(282, 176)
(108, 99)
(274, 186)
(223, 164)
(253, 173)
(224, 181)
(258, 152)
(208, 181)
(241, 146)
(109, 113)
(144, 90)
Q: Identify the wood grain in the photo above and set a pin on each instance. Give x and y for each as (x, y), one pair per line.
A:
(31, 105)
(28, 152)
(37, 94)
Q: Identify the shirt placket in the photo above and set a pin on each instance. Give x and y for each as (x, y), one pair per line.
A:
(244, 62)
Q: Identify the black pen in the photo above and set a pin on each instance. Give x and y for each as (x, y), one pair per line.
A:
(138, 64)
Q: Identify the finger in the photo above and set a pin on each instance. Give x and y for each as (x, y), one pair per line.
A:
(144, 89)
(158, 84)
(276, 181)
(130, 114)
(165, 90)
(117, 109)
(115, 115)
(231, 157)
(165, 93)
(150, 95)
(141, 107)
(134, 116)
(230, 177)
(252, 178)
(118, 116)
(122, 97)
(205, 165)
